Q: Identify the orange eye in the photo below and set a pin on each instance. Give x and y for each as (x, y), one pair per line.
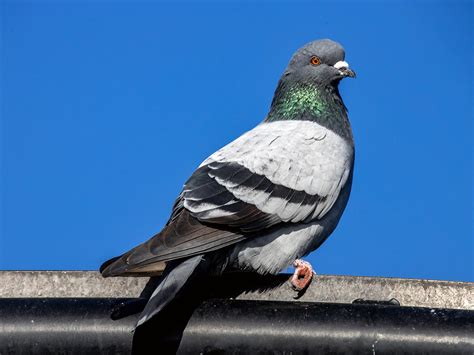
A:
(315, 60)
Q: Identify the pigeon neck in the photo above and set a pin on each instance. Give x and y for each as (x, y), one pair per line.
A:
(310, 102)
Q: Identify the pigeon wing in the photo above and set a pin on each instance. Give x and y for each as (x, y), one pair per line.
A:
(279, 172)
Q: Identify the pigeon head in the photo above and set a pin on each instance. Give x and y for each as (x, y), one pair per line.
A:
(319, 62)
(308, 89)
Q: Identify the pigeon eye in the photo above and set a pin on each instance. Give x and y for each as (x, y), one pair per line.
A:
(315, 60)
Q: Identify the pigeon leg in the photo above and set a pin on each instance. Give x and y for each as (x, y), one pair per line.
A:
(302, 276)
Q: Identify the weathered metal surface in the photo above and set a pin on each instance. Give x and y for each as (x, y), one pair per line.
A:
(408, 292)
(67, 284)
(63, 326)
(324, 288)
(252, 327)
(216, 326)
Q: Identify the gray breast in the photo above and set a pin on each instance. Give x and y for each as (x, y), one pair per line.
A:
(329, 165)
(276, 250)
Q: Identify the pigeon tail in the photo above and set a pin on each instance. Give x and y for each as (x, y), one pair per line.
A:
(119, 266)
(174, 278)
(105, 269)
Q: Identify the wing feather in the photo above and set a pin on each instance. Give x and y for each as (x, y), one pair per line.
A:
(280, 172)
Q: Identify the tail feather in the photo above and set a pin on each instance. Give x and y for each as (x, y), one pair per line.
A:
(106, 265)
(119, 266)
(172, 282)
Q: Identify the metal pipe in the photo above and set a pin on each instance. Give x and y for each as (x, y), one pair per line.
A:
(86, 325)
(317, 328)
(63, 325)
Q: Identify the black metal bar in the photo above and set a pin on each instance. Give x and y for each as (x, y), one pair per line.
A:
(316, 328)
(63, 326)
(87, 325)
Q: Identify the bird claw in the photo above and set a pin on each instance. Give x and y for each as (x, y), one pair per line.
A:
(302, 276)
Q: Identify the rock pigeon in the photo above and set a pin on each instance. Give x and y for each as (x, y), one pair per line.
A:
(266, 199)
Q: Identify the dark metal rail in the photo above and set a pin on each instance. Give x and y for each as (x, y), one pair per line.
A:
(63, 326)
(317, 328)
(79, 326)
(81, 313)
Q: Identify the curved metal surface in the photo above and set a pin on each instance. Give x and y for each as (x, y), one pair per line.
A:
(63, 326)
(315, 328)
(104, 326)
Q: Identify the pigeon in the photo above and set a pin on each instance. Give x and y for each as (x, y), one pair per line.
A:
(268, 198)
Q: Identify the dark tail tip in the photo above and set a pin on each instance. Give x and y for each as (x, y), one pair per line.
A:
(105, 268)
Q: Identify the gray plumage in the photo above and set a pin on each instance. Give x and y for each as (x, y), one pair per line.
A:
(271, 196)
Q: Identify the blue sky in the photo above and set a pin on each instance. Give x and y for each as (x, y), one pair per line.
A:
(108, 108)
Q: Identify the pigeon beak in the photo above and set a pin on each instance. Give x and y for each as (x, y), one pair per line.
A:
(344, 70)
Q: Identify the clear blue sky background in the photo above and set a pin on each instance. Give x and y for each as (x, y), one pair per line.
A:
(108, 108)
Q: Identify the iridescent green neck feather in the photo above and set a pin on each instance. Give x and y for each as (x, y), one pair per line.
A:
(309, 102)
(299, 100)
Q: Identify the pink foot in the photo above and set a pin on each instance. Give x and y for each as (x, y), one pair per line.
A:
(302, 276)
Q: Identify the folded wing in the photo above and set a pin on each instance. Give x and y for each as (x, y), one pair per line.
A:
(279, 172)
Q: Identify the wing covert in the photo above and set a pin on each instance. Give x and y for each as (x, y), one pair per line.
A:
(278, 172)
